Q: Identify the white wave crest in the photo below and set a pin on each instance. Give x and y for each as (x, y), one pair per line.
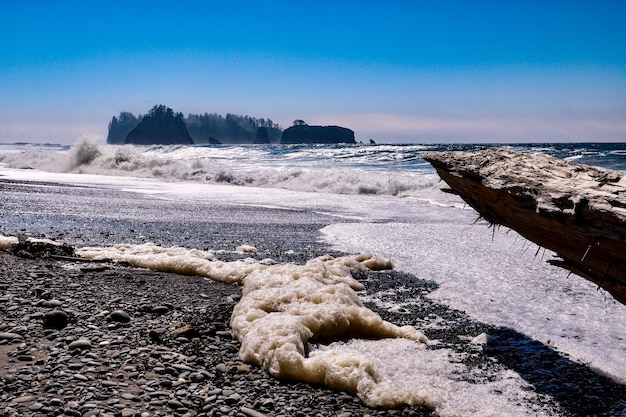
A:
(341, 171)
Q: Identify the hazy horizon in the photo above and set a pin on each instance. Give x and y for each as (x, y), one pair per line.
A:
(394, 72)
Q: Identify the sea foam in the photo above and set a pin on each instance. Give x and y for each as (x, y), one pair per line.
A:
(283, 307)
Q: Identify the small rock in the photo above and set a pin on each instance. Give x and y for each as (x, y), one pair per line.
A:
(243, 368)
(56, 319)
(175, 404)
(52, 303)
(92, 413)
(486, 340)
(80, 344)
(233, 398)
(196, 377)
(10, 336)
(35, 406)
(221, 367)
(182, 367)
(251, 413)
(159, 310)
(119, 316)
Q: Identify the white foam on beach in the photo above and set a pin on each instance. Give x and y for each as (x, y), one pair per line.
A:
(290, 318)
(284, 306)
(440, 379)
(7, 242)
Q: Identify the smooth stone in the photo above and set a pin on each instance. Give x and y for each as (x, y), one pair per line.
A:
(182, 367)
(160, 310)
(196, 377)
(243, 368)
(175, 404)
(10, 336)
(233, 398)
(80, 344)
(56, 319)
(52, 303)
(221, 367)
(251, 413)
(119, 316)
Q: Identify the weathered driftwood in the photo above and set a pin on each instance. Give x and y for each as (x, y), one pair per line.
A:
(575, 210)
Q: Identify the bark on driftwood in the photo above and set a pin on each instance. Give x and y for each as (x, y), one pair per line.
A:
(575, 210)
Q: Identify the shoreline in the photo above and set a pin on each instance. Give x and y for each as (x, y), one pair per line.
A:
(561, 385)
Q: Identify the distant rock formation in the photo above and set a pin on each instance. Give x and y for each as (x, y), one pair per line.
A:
(120, 127)
(303, 133)
(262, 136)
(161, 126)
(232, 129)
(213, 141)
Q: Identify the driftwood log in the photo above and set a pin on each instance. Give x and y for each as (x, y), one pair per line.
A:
(577, 211)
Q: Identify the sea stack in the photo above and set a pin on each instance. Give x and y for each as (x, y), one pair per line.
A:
(161, 126)
(303, 133)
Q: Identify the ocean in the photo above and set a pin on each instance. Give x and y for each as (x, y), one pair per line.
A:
(374, 199)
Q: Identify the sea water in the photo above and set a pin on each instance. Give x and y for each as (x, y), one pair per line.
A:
(387, 201)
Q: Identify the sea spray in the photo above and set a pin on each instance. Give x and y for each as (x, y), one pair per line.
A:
(351, 170)
(84, 152)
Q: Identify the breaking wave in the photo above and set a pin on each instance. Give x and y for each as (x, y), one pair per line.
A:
(342, 169)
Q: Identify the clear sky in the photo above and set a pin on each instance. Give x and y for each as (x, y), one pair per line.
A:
(393, 71)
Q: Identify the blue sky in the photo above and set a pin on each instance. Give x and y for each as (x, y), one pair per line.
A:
(393, 71)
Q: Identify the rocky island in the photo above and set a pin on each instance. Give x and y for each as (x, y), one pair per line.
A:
(161, 126)
(300, 132)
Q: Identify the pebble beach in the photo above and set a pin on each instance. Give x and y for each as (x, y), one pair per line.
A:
(78, 339)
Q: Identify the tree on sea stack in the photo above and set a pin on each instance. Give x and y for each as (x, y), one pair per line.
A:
(161, 126)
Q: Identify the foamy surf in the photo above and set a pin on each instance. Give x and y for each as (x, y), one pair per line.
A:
(343, 171)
